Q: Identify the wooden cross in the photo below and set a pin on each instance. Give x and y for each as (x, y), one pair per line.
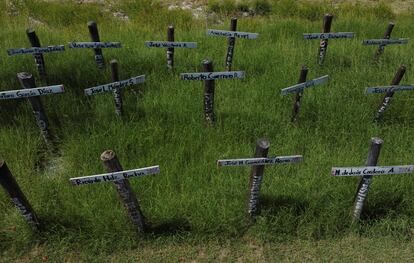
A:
(96, 44)
(256, 177)
(170, 45)
(232, 35)
(120, 179)
(385, 41)
(323, 47)
(366, 173)
(30, 91)
(37, 51)
(299, 89)
(209, 77)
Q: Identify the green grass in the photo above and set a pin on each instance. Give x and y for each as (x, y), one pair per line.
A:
(191, 205)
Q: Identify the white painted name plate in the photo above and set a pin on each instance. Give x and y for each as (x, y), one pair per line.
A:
(213, 75)
(94, 45)
(224, 33)
(307, 84)
(35, 50)
(114, 85)
(260, 161)
(385, 41)
(385, 89)
(328, 35)
(168, 44)
(24, 93)
(110, 177)
(371, 170)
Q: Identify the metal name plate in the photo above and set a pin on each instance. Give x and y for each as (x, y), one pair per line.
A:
(385, 41)
(25, 93)
(260, 161)
(94, 45)
(213, 75)
(238, 34)
(385, 89)
(328, 35)
(371, 170)
(307, 84)
(35, 50)
(114, 85)
(168, 44)
(110, 177)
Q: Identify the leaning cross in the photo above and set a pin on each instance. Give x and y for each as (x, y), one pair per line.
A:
(256, 176)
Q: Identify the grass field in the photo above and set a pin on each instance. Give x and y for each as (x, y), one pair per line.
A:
(195, 210)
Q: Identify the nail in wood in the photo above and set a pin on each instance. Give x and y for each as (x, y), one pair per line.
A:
(365, 182)
(17, 197)
(387, 98)
(256, 177)
(124, 189)
(209, 87)
(117, 92)
(232, 42)
(93, 31)
(299, 94)
(323, 47)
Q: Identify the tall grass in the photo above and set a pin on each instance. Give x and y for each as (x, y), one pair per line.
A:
(191, 200)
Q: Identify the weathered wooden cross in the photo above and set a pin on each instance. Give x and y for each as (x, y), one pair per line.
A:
(299, 89)
(17, 196)
(116, 87)
(36, 50)
(97, 45)
(120, 179)
(323, 47)
(232, 34)
(389, 92)
(209, 76)
(256, 176)
(366, 173)
(170, 45)
(385, 41)
(30, 91)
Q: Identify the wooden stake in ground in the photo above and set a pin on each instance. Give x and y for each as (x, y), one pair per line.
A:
(256, 176)
(299, 94)
(17, 197)
(96, 44)
(385, 41)
(170, 45)
(117, 91)
(232, 35)
(323, 47)
(389, 92)
(209, 77)
(37, 51)
(32, 93)
(366, 174)
(120, 179)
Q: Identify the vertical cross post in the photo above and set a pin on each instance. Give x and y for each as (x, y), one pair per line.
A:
(170, 51)
(387, 35)
(124, 189)
(256, 176)
(93, 31)
(365, 182)
(39, 60)
(323, 47)
(27, 81)
(117, 91)
(17, 197)
(209, 87)
(387, 98)
(299, 94)
(232, 42)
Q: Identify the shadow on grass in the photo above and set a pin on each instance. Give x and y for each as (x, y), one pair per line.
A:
(170, 227)
(273, 205)
(381, 209)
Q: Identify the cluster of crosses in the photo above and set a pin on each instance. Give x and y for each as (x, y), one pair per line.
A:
(120, 178)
